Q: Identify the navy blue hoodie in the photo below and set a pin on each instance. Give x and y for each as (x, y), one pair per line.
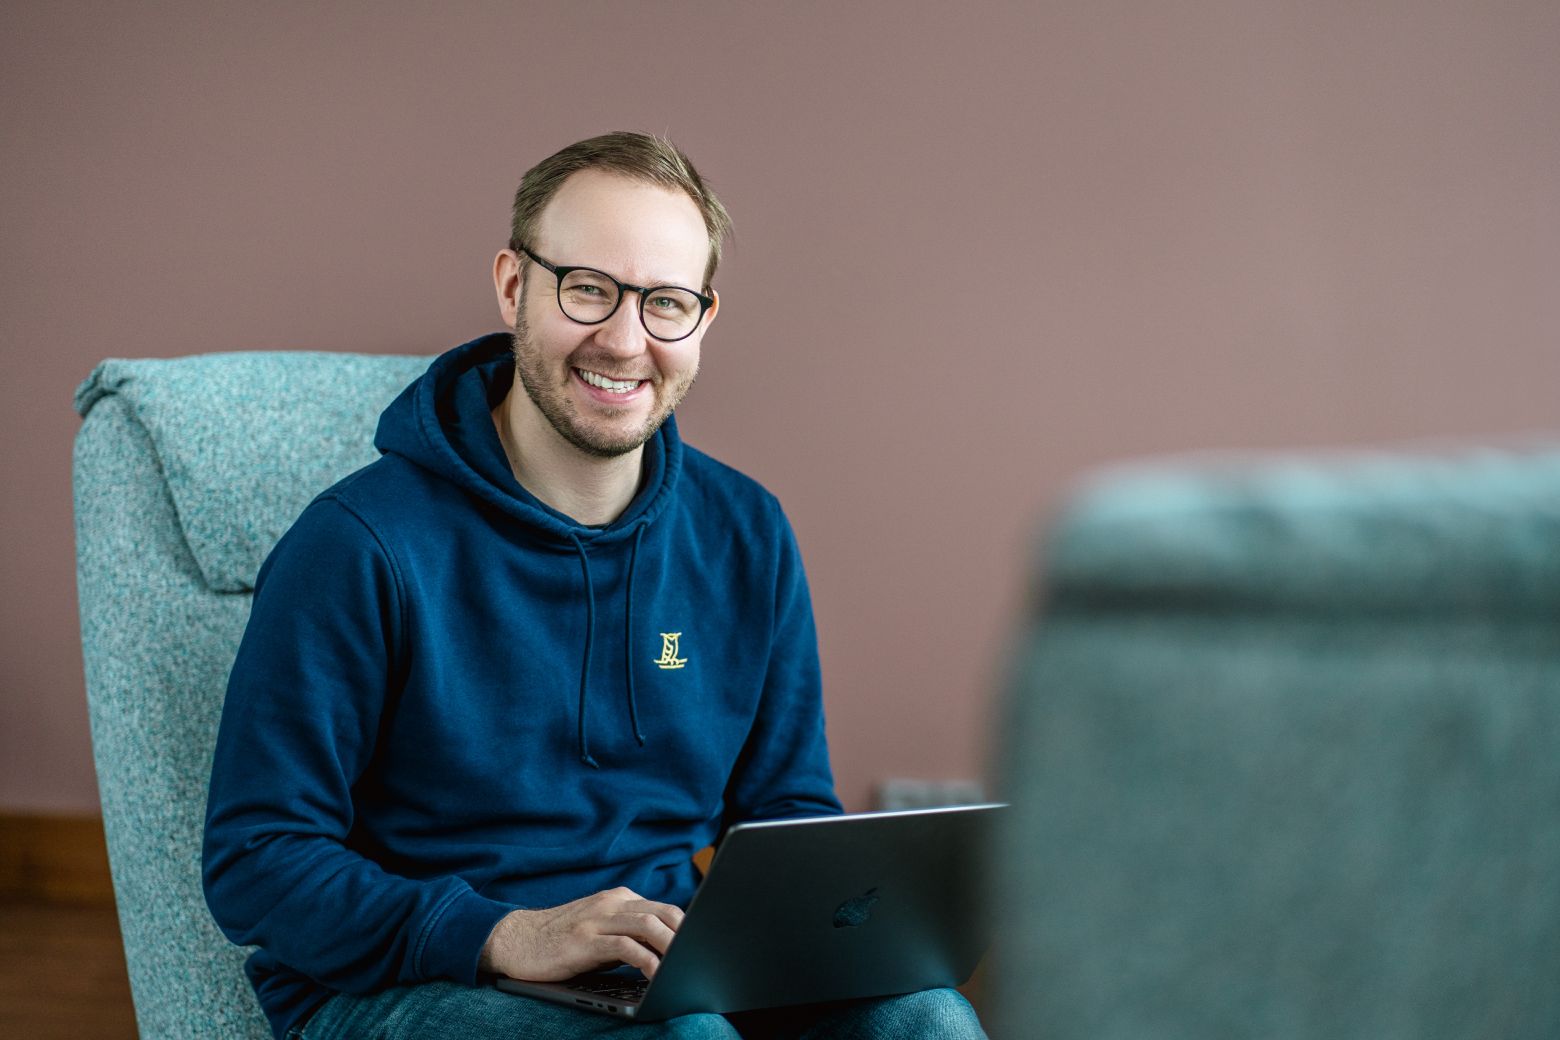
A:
(453, 701)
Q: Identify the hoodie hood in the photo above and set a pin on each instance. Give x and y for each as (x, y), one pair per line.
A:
(443, 423)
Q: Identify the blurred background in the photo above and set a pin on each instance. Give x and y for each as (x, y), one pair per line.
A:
(981, 249)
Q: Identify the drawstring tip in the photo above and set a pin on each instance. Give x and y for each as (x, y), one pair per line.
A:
(639, 737)
(589, 761)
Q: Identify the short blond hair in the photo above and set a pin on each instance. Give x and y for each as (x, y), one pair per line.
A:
(643, 157)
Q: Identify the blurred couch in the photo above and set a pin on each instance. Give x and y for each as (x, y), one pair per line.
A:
(1283, 743)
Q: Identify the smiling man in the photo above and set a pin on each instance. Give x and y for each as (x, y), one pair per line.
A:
(599, 375)
(500, 685)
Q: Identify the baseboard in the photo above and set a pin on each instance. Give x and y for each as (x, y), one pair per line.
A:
(54, 859)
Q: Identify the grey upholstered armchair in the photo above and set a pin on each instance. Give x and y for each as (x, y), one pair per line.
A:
(187, 471)
(1283, 744)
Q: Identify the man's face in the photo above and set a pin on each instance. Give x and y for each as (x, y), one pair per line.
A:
(606, 389)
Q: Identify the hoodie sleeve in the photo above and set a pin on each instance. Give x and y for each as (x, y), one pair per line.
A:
(783, 770)
(316, 667)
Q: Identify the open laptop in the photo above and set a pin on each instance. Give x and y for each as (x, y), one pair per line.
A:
(813, 910)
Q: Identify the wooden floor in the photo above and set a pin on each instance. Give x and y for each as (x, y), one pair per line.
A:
(62, 973)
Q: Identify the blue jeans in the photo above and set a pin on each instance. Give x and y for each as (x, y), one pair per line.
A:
(448, 1011)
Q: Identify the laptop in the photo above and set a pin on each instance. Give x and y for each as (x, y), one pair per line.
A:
(813, 910)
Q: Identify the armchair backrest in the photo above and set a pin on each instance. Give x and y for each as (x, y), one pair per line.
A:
(186, 472)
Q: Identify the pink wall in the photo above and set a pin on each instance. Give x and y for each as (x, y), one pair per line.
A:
(1037, 237)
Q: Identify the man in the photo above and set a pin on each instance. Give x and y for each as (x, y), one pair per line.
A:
(500, 685)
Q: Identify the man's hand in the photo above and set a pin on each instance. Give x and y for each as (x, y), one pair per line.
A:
(599, 931)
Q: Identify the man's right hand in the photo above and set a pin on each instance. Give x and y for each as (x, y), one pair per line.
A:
(599, 931)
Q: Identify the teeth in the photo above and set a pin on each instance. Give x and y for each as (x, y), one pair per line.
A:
(616, 386)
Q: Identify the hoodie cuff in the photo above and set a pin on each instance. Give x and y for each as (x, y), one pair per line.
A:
(452, 946)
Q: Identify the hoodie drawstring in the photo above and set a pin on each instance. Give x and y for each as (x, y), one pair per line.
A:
(590, 630)
(628, 636)
(628, 643)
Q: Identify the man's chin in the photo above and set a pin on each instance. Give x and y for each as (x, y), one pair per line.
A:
(607, 450)
(604, 444)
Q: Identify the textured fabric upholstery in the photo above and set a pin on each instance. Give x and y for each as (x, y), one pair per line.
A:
(187, 471)
(1283, 743)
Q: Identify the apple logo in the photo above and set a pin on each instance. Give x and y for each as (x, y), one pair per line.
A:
(854, 911)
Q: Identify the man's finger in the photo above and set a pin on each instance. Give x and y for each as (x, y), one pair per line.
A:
(624, 949)
(671, 915)
(645, 927)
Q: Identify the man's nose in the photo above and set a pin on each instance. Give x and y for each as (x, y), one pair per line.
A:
(623, 333)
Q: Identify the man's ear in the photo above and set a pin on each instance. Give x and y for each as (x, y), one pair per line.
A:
(508, 285)
(709, 315)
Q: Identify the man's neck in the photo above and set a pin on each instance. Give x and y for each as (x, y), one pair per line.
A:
(590, 490)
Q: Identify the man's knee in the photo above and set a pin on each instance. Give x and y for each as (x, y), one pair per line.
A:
(940, 1013)
(699, 1027)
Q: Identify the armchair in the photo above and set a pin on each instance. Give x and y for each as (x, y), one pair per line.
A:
(186, 473)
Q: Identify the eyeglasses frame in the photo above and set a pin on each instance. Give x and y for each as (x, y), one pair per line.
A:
(560, 272)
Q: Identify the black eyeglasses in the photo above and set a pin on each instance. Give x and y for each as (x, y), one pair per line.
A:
(590, 297)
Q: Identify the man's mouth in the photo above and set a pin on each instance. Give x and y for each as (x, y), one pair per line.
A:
(612, 386)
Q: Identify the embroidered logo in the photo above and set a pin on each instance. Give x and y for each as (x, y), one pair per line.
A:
(669, 658)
